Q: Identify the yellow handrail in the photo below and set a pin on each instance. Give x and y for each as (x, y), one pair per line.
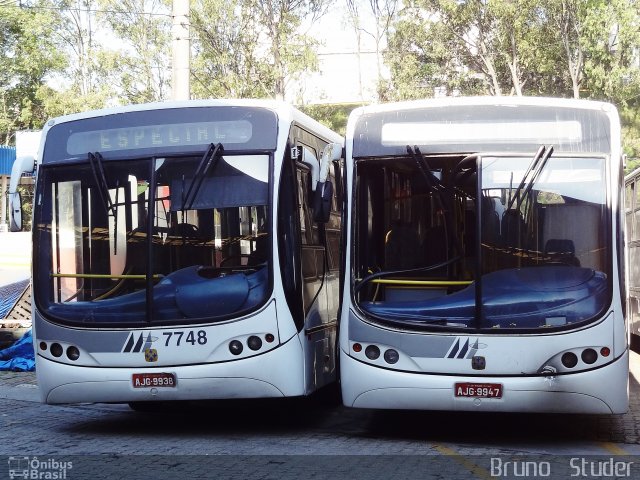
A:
(432, 283)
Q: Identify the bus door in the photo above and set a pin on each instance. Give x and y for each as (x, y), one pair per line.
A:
(314, 265)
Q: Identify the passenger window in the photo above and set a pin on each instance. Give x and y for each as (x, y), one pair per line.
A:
(302, 177)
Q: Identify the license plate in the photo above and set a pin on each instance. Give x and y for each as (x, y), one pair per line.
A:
(147, 380)
(478, 390)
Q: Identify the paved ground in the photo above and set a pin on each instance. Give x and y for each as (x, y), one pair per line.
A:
(304, 438)
(15, 256)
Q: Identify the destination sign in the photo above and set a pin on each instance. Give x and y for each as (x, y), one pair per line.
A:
(160, 136)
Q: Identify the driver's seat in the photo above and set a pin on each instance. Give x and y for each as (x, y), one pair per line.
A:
(188, 246)
(561, 250)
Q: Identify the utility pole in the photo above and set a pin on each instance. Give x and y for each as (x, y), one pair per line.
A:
(181, 50)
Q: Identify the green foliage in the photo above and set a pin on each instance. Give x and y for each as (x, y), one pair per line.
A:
(227, 60)
(141, 62)
(64, 102)
(26, 194)
(566, 48)
(29, 53)
(250, 48)
(333, 115)
(630, 117)
(541, 47)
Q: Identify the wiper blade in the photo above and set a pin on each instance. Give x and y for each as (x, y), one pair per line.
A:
(536, 175)
(535, 167)
(432, 181)
(213, 153)
(376, 275)
(443, 195)
(95, 160)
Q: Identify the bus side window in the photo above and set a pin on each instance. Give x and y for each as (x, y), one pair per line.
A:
(311, 251)
(334, 224)
(289, 239)
(629, 227)
(302, 175)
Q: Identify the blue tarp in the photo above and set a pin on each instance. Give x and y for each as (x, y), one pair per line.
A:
(19, 357)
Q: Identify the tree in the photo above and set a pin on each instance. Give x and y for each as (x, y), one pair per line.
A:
(252, 47)
(228, 58)
(425, 53)
(611, 36)
(333, 116)
(382, 12)
(566, 16)
(557, 47)
(290, 53)
(354, 18)
(144, 28)
(78, 34)
(29, 54)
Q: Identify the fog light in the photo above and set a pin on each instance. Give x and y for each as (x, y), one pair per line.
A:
(569, 359)
(269, 337)
(43, 345)
(372, 352)
(391, 356)
(357, 347)
(235, 347)
(589, 356)
(56, 349)
(605, 351)
(254, 342)
(73, 353)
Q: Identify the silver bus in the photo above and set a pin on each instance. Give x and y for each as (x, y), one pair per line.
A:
(185, 251)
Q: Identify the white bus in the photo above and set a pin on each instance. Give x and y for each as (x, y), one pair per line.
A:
(485, 262)
(183, 251)
(632, 231)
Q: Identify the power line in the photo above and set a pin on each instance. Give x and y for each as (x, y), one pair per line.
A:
(11, 4)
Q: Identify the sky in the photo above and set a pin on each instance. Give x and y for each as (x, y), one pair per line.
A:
(341, 74)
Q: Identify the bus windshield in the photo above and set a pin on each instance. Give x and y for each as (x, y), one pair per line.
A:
(151, 240)
(495, 241)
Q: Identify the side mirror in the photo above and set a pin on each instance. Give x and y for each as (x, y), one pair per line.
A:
(324, 189)
(20, 166)
(308, 158)
(15, 217)
(322, 202)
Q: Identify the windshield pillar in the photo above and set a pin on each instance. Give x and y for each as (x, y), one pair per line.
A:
(478, 316)
(150, 227)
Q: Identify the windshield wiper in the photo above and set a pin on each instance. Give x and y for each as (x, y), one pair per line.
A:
(443, 195)
(211, 156)
(432, 181)
(536, 175)
(95, 160)
(534, 169)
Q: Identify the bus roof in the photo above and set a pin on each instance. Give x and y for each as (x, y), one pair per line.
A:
(484, 100)
(480, 124)
(283, 110)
